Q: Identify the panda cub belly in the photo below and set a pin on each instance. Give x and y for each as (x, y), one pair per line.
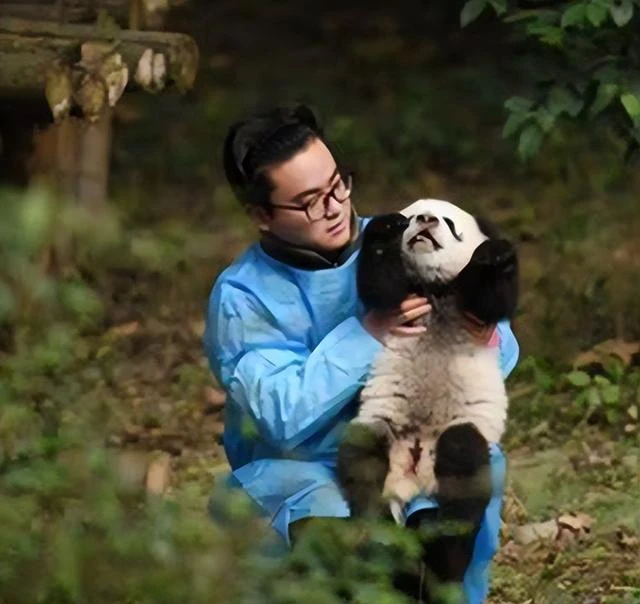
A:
(419, 387)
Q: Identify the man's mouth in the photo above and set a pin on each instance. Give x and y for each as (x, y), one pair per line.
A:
(336, 227)
(424, 235)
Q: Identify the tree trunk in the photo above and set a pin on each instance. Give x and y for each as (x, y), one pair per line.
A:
(29, 48)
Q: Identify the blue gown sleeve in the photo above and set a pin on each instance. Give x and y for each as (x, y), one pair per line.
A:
(290, 392)
(509, 348)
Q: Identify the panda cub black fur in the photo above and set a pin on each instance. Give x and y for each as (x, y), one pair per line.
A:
(432, 403)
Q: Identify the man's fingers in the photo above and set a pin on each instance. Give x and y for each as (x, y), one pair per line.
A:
(414, 313)
(407, 330)
(412, 302)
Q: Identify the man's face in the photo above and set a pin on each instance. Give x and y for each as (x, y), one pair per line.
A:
(308, 177)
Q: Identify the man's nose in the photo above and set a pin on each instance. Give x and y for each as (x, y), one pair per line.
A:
(331, 206)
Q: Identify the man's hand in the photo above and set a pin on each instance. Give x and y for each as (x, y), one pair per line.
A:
(381, 324)
(481, 332)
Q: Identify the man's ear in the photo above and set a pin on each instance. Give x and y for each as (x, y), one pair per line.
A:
(261, 217)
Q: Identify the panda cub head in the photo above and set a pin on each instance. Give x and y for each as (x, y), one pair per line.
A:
(439, 241)
(436, 249)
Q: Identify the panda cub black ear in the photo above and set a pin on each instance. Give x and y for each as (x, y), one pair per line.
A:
(487, 227)
(381, 278)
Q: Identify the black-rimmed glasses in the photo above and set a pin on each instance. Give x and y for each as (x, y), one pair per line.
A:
(316, 209)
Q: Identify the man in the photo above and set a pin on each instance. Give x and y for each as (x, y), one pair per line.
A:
(286, 335)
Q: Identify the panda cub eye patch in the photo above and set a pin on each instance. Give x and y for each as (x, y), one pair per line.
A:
(452, 228)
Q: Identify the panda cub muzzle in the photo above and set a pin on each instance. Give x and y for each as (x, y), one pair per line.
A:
(426, 225)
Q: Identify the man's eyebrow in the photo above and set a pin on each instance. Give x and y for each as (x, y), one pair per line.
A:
(299, 196)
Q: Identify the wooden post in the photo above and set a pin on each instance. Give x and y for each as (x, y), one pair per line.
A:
(92, 175)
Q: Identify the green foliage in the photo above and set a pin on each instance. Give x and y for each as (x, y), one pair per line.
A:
(590, 61)
(612, 397)
(77, 525)
(554, 402)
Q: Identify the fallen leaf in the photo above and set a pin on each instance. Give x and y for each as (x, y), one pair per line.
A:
(632, 412)
(625, 351)
(627, 541)
(125, 329)
(595, 458)
(535, 531)
(514, 511)
(197, 327)
(159, 474)
(511, 551)
(576, 522)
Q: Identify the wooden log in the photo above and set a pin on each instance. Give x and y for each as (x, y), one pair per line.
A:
(137, 14)
(28, 49)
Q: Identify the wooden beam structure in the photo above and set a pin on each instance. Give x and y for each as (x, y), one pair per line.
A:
(28, 50)
(78, 57)
(133, 14)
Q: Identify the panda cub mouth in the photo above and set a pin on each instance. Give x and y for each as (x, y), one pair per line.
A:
(423, 236)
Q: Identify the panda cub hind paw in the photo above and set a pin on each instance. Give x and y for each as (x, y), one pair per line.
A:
(401, 491)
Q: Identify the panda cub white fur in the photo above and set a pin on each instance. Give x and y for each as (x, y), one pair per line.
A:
(421, 387)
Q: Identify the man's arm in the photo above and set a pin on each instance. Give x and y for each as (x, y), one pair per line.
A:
(290, 391)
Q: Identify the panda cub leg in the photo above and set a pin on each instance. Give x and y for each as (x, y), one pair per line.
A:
(362, 465)
(410, 473)
(464, 490)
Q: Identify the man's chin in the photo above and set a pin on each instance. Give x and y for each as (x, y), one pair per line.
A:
(339, 240)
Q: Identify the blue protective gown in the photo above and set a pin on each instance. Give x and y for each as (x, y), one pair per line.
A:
(288, 346)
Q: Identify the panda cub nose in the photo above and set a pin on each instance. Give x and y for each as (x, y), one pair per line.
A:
(427, 219)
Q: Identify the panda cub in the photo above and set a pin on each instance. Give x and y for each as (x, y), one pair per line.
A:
(434, 402)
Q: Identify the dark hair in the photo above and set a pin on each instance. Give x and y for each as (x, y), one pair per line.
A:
(262, 140)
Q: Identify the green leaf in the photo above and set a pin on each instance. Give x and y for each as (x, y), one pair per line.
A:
(471, 11)
(601, 380)
(631, 104)
(518, 104)
(562, 100)
(622, 13)
(576, 14)
(500, 6)
(597, 14)
(580, 379)
(611, 394)
(608, 73)
(530, 141)
(593, 397)
(513, 123)
(605, 94)
(612, 416)
(545, 119)
(542, 15)
(548, 34)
